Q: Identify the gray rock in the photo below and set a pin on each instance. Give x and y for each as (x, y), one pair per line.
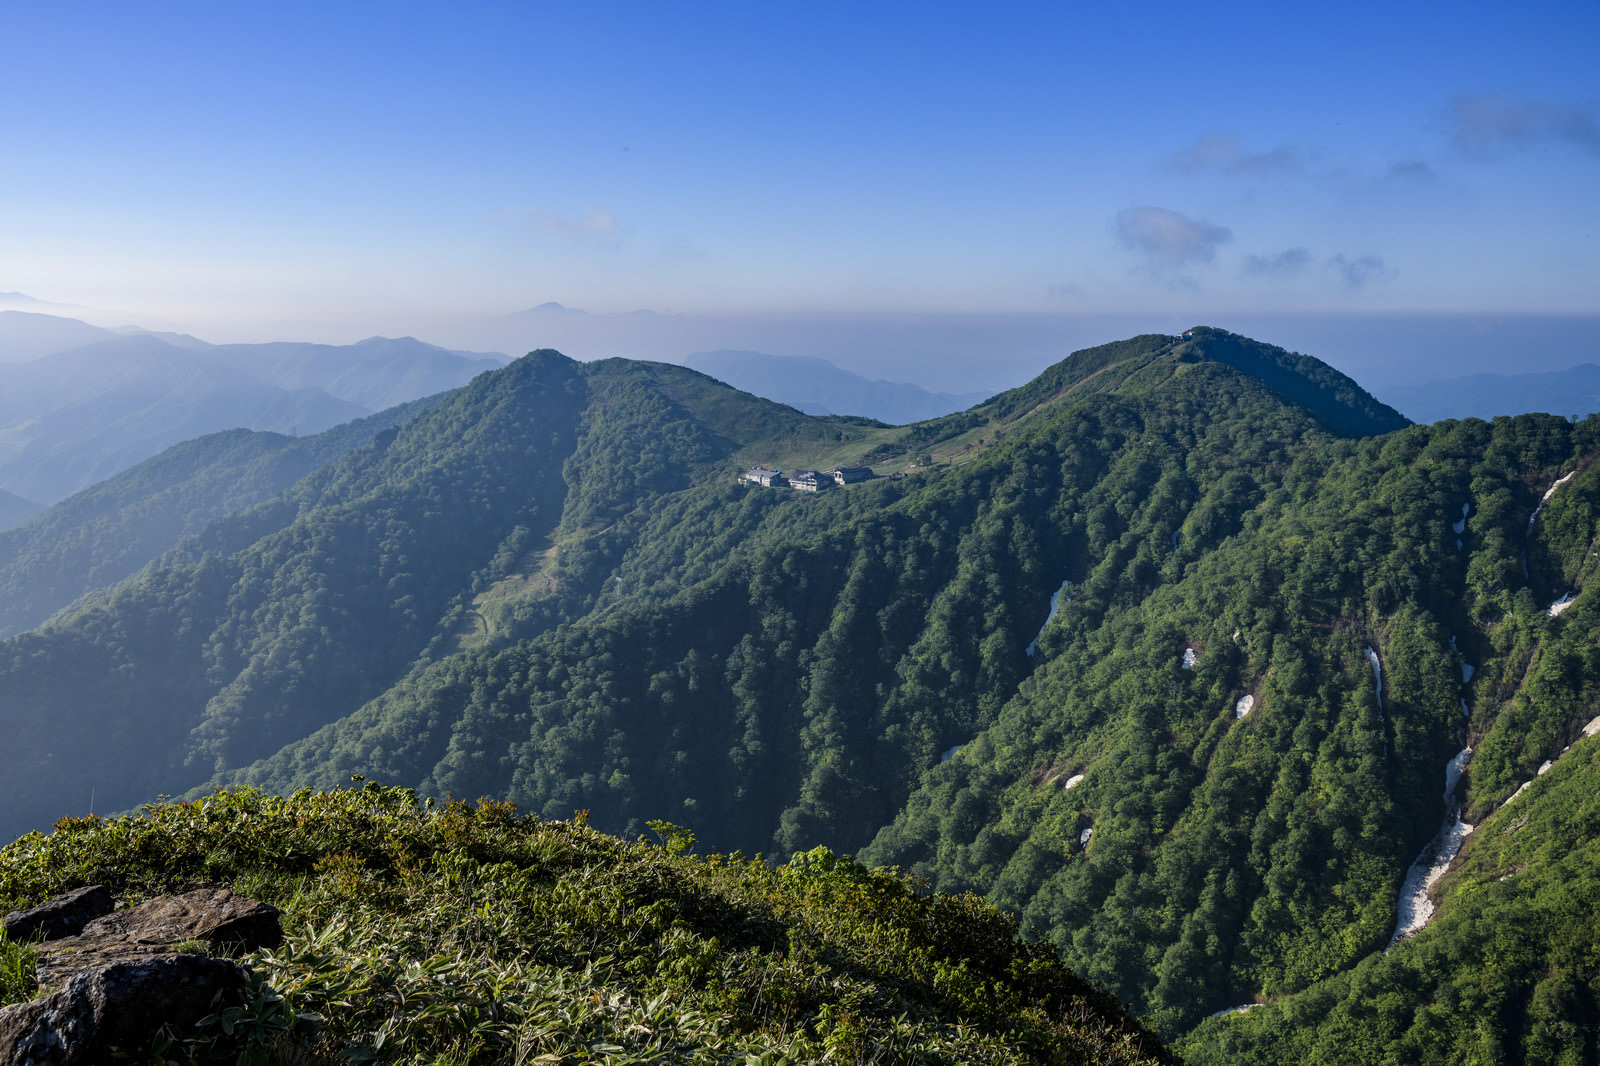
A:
(118, 1006)
(225, 921)
(65, 915)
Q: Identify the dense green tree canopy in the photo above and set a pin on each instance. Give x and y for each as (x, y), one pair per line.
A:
(1165, 652)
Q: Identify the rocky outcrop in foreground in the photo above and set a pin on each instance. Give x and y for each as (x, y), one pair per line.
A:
(114, 978)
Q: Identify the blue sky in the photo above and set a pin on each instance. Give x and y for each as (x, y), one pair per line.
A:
(330, 171)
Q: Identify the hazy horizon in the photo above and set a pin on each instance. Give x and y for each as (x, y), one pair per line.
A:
(960, 353)
(937, 195)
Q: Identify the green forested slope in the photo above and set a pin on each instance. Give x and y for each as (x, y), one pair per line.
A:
(166, 678)
(1234, 858)
(1508, 970)
(551, 590)
(836, 645)
(104, 533)
(275, 620)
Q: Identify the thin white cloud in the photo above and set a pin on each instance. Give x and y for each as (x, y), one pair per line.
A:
(1409, 170)
(1483, 126)
(1227, 155)
(1285, 264)
(594, 223)
(1169, 241)
(1357, 272)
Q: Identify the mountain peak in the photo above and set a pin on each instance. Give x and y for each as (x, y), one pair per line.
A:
(1336, 400)
(550, 307)
(1332, 398)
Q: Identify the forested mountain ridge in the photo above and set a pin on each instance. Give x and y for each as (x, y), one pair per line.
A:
(313, 602)
(101, 535)
(1019, 669)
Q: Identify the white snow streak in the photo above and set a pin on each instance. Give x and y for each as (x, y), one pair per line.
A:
(1055, 608)
(1549, 492)
(1236, 1010)
(1414, 908)
(1377, 675)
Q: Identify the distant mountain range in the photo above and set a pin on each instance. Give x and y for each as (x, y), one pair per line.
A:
(79, 403)
(1575, 391)
(817, 387)
(27, 335)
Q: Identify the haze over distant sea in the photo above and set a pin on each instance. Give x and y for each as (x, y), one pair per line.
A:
(968, 352)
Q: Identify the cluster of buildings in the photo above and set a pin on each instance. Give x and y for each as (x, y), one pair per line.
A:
(808, 480)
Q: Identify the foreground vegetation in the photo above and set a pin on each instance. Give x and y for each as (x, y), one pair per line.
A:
(469, 934)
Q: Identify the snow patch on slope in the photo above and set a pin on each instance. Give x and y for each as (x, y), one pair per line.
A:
(1055, 608)
(1414, 908)
(1549, 492)
(1377, 676)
